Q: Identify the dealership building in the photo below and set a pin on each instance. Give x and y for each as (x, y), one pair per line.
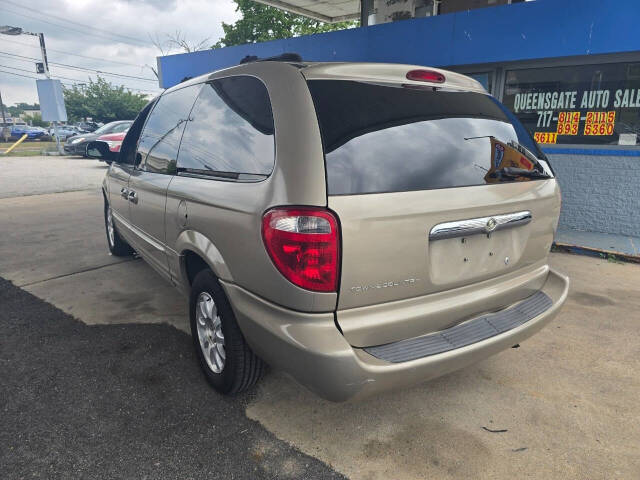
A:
(568, 69)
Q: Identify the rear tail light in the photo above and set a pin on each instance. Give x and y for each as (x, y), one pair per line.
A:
(303, 243)
(425, 76)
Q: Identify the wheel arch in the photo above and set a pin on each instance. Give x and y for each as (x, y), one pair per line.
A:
(195, 251)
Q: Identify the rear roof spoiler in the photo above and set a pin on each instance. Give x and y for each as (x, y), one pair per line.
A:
(284, 57)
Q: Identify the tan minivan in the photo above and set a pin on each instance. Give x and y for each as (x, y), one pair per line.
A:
(362, 227)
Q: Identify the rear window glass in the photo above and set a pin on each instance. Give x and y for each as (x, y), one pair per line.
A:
(383, 138)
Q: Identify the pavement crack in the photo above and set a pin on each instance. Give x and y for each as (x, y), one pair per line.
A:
(91, 269)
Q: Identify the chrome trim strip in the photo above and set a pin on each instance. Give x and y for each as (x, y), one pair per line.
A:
(476, 226)
(144, 236)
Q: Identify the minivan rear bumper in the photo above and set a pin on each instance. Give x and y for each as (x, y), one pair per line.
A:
(310, 347)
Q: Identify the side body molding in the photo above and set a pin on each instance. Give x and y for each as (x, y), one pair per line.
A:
(197, 243)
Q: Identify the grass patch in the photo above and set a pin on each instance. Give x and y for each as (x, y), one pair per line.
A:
(27, 149)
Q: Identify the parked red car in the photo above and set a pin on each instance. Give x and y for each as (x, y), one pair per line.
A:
(114, 140)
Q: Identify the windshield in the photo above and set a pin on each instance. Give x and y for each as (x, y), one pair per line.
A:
(391, 138)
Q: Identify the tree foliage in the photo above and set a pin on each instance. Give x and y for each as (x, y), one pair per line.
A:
(36, 121)
(20, 107)
(260, 23)
(102, 101)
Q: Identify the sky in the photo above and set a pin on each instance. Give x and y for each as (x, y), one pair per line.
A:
(118, 35)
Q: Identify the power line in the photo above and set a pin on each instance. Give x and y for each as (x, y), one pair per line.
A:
(20, 69)
(92, 28)
(19, 75)
(64, 65)
(88, 32)
(20, 56)
(27, 76)
(72, 54)
(77, 80)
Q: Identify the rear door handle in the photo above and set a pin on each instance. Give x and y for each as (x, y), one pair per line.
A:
(133, 196)
(124, 192)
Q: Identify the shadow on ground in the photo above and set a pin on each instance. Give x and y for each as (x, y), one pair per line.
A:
(121, 401)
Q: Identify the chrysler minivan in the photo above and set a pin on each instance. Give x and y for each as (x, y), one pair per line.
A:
(360, 226)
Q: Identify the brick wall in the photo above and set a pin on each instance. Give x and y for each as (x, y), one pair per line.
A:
(599, 193)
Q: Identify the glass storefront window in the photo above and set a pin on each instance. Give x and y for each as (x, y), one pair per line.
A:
(485, 78)
(586, 104)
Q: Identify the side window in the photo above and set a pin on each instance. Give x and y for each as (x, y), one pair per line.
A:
(130, 142)
(230, 130)
(160, 139)
(121, 127)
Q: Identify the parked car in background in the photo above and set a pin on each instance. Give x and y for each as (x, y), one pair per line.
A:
(45, 133)
(77, 144)
(33, 133)
(65, 131)
(113, 140)
(362, 227)
(87, 127)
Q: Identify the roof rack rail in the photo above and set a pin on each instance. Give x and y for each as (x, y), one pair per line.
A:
(283, 57)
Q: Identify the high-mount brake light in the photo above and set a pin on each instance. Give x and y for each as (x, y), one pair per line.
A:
(303, 244)
(425, 76)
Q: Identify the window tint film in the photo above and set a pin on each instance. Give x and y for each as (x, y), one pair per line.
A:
(230, 129)
(383, 138)
(160, 138)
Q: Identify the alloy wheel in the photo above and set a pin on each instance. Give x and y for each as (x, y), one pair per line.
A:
(210, 332)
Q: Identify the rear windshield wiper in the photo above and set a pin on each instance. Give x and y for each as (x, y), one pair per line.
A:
(514, 172)
(209, 172)
(242, 177)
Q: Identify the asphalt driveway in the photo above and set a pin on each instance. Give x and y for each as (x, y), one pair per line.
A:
(121, 401)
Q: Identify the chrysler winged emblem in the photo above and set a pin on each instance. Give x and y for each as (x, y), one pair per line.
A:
(491, 225)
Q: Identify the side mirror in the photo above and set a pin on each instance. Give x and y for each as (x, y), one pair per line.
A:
(100, 150)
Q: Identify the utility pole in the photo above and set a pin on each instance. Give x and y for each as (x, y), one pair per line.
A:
(4, 118)
(45, 63)
(4, 128)
(8, 30)
(43, 50)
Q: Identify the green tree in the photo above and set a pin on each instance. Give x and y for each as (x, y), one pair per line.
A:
(260, 23)
(102, 101)
(37, 121)
(14, 111)
(27, 106)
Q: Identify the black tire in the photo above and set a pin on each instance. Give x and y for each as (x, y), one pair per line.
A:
(117, 246)
(242, 368)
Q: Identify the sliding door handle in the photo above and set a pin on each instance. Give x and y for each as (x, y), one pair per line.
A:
(133, 196)
(124, 193)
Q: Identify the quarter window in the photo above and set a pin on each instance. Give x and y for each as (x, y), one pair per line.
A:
(160, 139)
(230, 130)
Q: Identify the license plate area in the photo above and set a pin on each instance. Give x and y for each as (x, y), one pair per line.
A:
(460, 259)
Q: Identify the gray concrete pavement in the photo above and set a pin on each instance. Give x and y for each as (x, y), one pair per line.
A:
(46, 236)
(38, 175)
(567, 398)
